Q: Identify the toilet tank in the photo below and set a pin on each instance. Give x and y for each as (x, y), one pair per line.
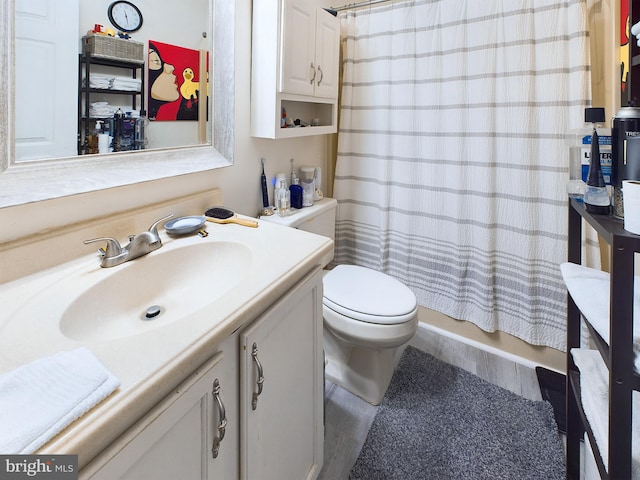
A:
(320, 218)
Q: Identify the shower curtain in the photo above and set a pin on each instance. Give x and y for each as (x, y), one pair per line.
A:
(452, 154)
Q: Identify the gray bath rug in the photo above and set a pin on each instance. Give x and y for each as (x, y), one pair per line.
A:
(439, 422)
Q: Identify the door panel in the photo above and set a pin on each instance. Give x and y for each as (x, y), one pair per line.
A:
(46, 83)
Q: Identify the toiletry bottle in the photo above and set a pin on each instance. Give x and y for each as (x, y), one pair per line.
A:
(317, 181)
(596, 196)
(107, 129)
(308, 191)
(283, 199)
(296, 191)
(293, 172)
(141, 124)
(575, 185)
(118, 118)
(94, 136)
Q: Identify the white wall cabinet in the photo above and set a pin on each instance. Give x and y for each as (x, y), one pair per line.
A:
(281, 438)
(310, 44)
(295, 66)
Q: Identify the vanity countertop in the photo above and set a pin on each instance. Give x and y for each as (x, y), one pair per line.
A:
(150, 364)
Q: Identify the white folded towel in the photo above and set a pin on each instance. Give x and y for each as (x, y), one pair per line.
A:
(38, 400)
(594, 394)
(590, 291)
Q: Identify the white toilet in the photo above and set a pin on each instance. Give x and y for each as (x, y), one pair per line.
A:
(367, 314)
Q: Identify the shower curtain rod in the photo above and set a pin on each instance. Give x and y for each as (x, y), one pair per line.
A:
(358, 4)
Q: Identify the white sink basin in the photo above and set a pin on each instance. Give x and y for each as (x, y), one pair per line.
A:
(174, 282)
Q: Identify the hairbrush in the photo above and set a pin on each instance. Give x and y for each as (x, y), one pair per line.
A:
(224, 215)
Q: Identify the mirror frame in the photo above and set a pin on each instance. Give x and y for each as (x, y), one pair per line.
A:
(40, 180)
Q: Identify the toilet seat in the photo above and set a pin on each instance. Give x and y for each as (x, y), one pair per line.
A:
(367, 295)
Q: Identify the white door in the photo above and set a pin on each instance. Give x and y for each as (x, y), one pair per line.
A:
(327, 55)
(46, 78)
(298, 47)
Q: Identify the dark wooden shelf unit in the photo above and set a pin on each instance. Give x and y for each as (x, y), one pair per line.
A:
(618, 355)
(85, 122)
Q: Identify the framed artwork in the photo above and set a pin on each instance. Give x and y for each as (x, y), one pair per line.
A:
(174, 82)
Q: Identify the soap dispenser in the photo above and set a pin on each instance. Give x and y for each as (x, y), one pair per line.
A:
(596, 196)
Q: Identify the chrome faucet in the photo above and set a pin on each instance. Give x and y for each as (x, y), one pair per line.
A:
(138, 245)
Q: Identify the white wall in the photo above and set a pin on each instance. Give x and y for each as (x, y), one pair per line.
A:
(240, 183)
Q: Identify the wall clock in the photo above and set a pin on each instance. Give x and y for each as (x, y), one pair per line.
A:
(125, 16)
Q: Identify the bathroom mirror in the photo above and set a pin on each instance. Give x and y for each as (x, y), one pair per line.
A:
(35, 179)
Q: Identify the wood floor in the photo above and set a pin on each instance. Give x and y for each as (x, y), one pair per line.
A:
(348, 418)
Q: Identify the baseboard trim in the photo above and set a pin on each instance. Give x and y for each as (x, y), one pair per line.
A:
(424, 330)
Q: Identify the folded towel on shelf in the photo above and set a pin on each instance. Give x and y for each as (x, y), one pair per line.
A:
(635, 31)
(594, 395)
(38, 400)
(100, 81)
(101, 110)
(114, 82)
(589, 289)
(129, 84)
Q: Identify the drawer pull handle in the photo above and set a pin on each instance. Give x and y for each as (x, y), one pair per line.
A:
(313, 69)
(321, 75)
(215, 448)
(260, 381)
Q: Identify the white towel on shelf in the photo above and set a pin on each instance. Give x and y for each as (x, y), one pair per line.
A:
(594, 394)
(635, 31)
(589, 289)
(100, 81)
(38, 400)
(131, 84)
(114, 82)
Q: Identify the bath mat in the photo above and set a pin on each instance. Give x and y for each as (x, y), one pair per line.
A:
(439, 422)
(552, 387)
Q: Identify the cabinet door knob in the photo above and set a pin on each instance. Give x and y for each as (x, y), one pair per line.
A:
(313, 69)
(260, 381)
(321, 75)
(222, 424)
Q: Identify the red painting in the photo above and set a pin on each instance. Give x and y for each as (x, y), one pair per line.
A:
(173, 88)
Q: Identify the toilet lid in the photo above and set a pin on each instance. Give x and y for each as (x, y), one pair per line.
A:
(365, 294)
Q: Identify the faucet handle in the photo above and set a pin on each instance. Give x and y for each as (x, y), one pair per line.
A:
(113, 246)
(153, 229)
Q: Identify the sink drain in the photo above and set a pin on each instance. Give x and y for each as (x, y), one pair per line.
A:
(154, 311)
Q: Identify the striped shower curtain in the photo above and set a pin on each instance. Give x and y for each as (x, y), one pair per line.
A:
(452, 158)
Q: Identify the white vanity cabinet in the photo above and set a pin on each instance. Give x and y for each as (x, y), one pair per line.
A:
(281, 388)
(295, 65)
(281, 438)
(180, 437)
